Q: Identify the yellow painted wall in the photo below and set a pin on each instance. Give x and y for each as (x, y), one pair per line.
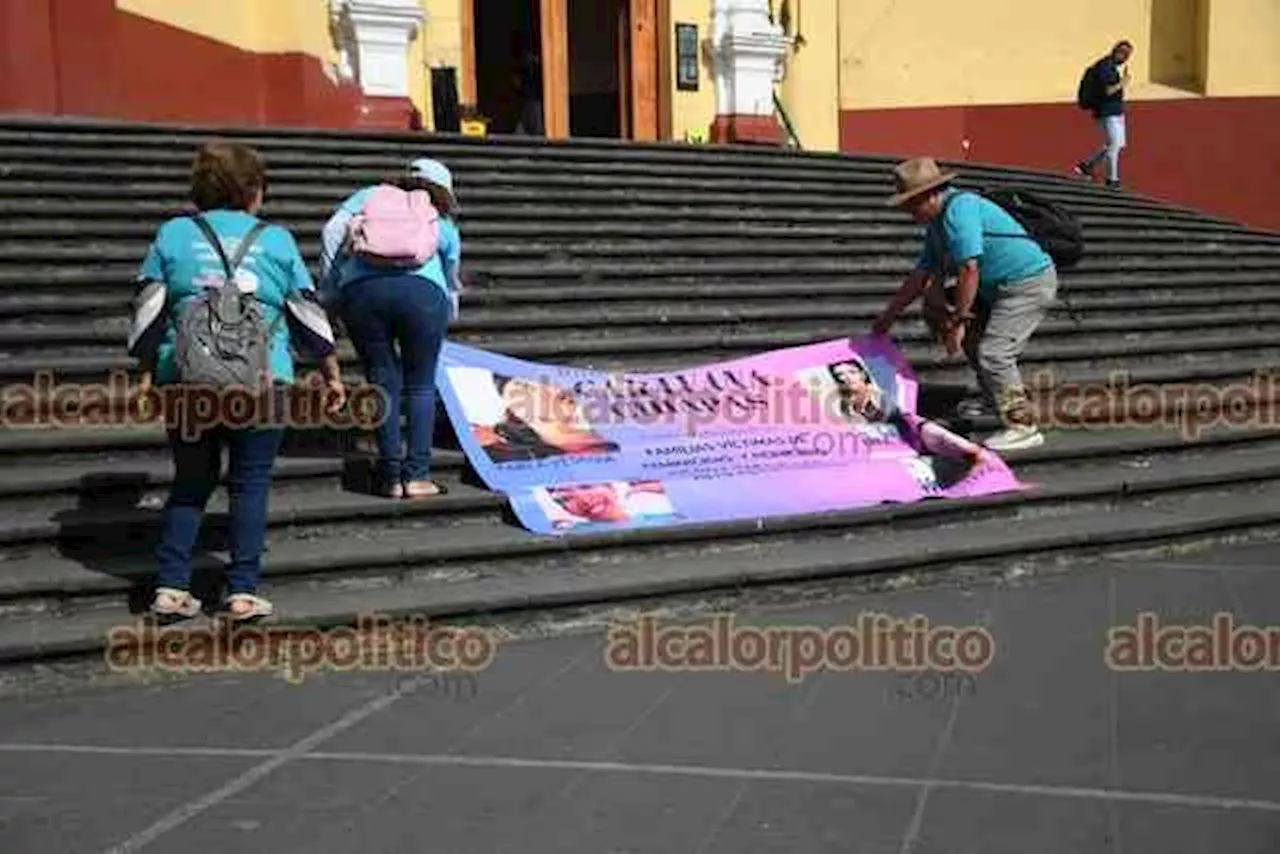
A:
(1176, 49)
(942, 53)
(810, 90)
(939, 52)
(1244, 47)
(262, 26)
(692, 112)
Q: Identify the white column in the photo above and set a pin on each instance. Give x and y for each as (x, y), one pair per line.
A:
(376, 36)
(747, 53)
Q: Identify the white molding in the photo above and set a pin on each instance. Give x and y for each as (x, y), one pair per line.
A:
(373, 38)
(747, 54)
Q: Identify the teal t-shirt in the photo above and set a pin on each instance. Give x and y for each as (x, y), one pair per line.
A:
(273, 270)
(975, 227)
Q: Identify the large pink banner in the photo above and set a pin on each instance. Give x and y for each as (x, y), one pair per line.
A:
(827, 426)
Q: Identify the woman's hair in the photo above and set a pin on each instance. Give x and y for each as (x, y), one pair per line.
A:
(439, 197)
(226, 175)
(862, 369)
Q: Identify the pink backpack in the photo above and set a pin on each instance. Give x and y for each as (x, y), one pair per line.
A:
(395, 228)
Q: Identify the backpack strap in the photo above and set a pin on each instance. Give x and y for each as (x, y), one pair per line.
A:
(245, 243)
(1062, 291)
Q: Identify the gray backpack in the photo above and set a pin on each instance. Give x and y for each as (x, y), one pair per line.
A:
(222, 338)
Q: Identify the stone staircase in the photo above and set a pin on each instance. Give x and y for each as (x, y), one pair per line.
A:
(609, 256)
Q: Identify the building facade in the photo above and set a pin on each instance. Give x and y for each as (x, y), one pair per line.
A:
(984, 80)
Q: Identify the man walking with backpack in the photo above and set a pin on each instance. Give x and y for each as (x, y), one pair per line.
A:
(1101, 92)
(1005, 284)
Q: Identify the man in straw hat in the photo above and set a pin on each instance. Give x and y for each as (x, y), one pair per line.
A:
(1005, 284)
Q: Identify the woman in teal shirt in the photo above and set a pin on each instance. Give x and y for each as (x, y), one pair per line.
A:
(228, 187)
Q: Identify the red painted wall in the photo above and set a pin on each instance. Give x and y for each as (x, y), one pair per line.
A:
(1219, 155)
(87, 58)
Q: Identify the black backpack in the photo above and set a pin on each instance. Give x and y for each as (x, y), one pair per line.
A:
(1088, 93)
(1057, 232)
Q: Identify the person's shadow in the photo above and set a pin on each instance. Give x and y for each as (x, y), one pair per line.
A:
(358, 450)
(112, 532)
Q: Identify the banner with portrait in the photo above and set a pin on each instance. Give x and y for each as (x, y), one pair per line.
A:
(827, 426)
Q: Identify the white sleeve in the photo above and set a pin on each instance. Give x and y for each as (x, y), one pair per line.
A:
(333, 236)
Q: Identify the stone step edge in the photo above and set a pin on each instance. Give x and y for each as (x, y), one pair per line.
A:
(557, 351)
(159, 473)
(520, 545)
(85, 130)
(56, 638)
(1236, 314)
(952, 377)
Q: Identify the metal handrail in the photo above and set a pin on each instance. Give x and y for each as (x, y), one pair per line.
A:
(794, 138)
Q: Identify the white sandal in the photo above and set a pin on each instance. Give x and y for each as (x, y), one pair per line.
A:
(258, 607)
(171, 602)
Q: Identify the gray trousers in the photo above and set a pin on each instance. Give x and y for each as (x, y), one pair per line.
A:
(998, 335)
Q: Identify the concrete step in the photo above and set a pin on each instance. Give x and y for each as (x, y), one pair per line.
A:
(786, 551)
(1222, 356)
(310, 143)
(569, 191)
(568, 270)
(87, 360)
(1080, 462)
(311, 217)
(499, 251)
(816, 318)
(544, 224)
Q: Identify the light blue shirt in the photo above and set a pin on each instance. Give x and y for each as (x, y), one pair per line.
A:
(183, 260)
(971, 228)
(338, 271)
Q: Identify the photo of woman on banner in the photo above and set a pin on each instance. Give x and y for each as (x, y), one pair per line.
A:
(531, 421)
(862, 401)
(570, 505)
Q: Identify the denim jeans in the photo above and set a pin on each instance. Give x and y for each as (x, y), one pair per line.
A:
(198, 466)
(1113, 128)
(413, 313)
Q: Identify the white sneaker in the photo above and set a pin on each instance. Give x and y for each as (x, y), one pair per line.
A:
(1015, 438)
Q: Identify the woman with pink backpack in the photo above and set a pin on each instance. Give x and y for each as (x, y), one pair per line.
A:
(391, 259)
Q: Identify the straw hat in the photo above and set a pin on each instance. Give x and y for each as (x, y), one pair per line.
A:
(915, 176)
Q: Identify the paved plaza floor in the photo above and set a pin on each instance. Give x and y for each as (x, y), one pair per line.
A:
(1047, 749)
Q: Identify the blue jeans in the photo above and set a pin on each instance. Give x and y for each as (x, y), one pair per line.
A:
(198, 468)
(411, 312)
(1113, 128)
